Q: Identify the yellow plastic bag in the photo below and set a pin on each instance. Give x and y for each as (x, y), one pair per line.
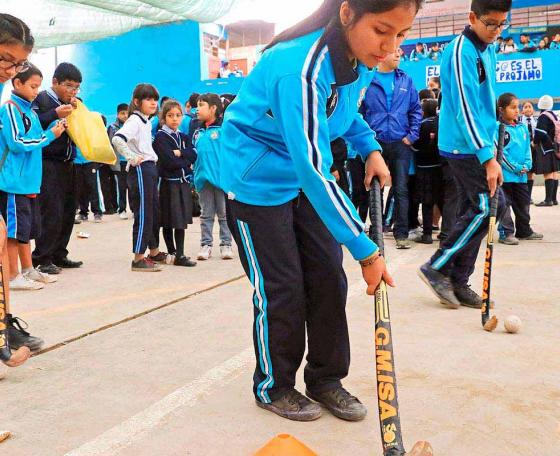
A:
(88, 132)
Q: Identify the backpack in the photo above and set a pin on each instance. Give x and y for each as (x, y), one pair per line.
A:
(556, 139)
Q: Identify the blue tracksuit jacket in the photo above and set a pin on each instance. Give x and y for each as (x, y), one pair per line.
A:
(207, 142)
(302, 95)
(517, 153)
(21, 144)
(467, 120)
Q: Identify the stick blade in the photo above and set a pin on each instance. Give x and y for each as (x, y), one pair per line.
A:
(421, 448)
(4, 435)
(491, 324)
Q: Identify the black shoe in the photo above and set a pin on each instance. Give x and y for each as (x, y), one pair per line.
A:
(18, 336)
(469, 298)
(66, 263)
(424, 239)
(555, 203)
(340, 403)
(545, 204)
(77, 221)
(440, 285)
(184, 261)
(48, 268)
(435, 228)
(294, 406)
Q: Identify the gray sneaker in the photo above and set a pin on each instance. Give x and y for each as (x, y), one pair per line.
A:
(294, 406)
(340, 403)
(533, 237)
(440, 285)
(509, 240)
(403, 244)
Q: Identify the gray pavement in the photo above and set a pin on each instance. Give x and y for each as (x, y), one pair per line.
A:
(167, 366)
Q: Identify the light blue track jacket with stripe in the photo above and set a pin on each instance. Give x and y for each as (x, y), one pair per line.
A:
(207, 142)
(276, 135)
(21, 144)
(467, 124)
(517, 153)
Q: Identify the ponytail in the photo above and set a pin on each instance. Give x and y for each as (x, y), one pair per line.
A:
(15, 31)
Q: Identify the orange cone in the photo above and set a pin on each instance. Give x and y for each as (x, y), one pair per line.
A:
(285, 445)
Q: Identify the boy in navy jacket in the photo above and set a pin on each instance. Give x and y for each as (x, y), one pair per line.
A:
(466, 138)
(58, 199)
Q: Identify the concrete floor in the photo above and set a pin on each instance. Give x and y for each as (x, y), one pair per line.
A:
(177, 380)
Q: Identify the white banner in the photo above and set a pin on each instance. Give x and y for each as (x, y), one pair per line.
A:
(431, 71)
(519, 70)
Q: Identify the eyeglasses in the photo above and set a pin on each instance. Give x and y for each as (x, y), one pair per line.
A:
(495, 27)
(18, 67)
(71, 88)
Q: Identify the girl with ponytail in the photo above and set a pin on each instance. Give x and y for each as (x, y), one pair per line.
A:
(285, 210)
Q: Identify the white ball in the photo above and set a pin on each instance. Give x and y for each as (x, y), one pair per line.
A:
(512, 324)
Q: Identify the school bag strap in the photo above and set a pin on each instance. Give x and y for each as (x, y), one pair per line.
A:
(23, 116)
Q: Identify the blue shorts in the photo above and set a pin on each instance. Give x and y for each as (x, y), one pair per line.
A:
(22, 216)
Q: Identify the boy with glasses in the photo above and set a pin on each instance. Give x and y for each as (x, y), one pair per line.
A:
(57, 198)
(466, 139)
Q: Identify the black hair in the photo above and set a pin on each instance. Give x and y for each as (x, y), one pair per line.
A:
(329, 12)
(482, 7)
(122, 107)
(67, 72)
(104, 119)
(429, 106)
(500, 38)
(164, 99)
(193, 99)
(505, 99)
(426, 94)
(15, 31)
(27, 74)
(213, 100)
(142, 92)
(509, 38)
(227, 99)
(419, 44)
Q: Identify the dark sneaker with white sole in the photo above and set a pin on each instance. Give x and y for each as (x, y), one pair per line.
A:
(440, 285)
(19, 337)
(184, 261)
(294, 406)
(469, 298)
(340, 403)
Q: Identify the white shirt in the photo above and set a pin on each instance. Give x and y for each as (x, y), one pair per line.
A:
(137, 132)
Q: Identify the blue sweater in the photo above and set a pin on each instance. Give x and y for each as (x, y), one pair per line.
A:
(21, 143)
(399, 120)
(467, 120)
(207, 142)
(302, 95)
(517, 153)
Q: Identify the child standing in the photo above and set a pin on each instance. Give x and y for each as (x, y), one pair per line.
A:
(134, 142)
(22, 141)
(466, 138)
(206, 141)
(516, 165)
(120, 166)
(429, 179)
(546, 162)
(175, 159)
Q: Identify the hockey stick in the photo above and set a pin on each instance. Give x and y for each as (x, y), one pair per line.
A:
(391, 433)
(6, 356)
(490, 323)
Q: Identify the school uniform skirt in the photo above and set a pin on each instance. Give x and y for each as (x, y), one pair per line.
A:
(176, 204)
(544, 163)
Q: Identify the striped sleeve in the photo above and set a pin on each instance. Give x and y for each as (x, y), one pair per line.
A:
(14, 132)
(464, 89)
(304, 127)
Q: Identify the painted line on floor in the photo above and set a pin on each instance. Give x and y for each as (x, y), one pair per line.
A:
(130, 430)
